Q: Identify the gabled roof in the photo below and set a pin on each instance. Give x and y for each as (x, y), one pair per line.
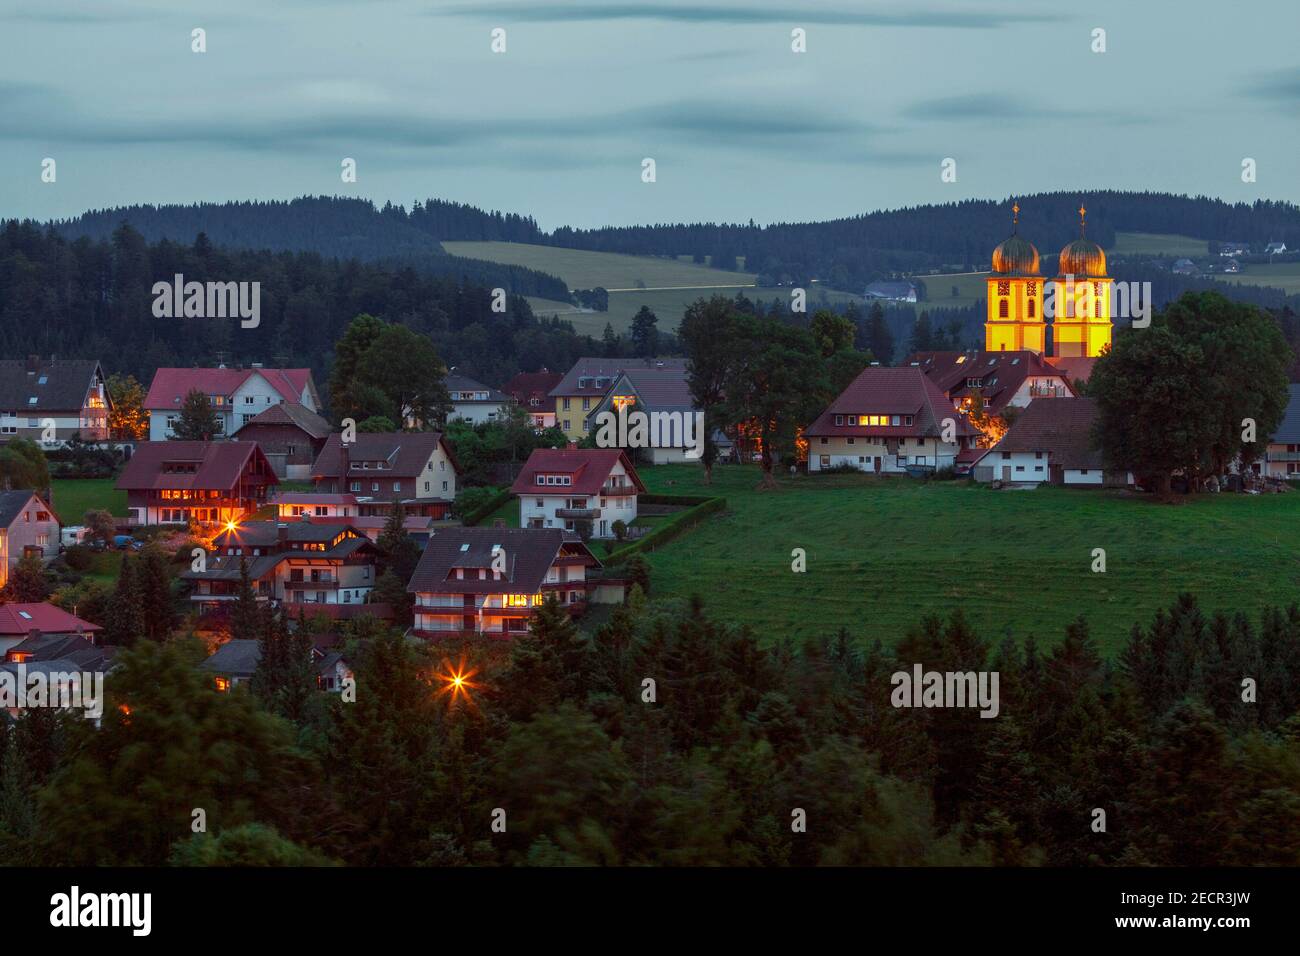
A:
(1288, 432)
(1001, 374)
(1060, 427)
(218, 465)
(463, 383)
(587, 467)
(528, 385)
(298, 416)
(263, 534)
(171, 385)
(656, 389)
(43, 617)
(404, 455)
(235, 658)
(528, 553)
(66, 382)
(12, 504)
(890, 391)
(589, 367)
(315, 498)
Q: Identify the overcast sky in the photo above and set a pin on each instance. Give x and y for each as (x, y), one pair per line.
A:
(740, 127)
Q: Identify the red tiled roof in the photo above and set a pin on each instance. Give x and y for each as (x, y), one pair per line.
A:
(171, 385)
(1061, 427)
(528, 385)
(297, 416)
(1075, 369)
(890, 391)
(528, 552)
(46, 618)
(588, 468)
(314, 498)
(1001, 373)
(219, 465)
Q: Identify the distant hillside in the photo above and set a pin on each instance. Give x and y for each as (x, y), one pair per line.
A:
(842, 253)
(335, 227)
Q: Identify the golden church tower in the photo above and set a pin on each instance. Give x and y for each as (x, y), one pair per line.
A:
(1082, 298)
(1015, 296)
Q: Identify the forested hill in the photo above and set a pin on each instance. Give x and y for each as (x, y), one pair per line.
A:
(338, 228)
(842, 252)
(94, 299)
(963, 234)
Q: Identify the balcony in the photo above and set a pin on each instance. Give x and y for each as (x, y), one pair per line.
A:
(308, 585)
(589, 513)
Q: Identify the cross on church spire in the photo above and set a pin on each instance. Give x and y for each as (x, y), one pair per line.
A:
(1082, 213)
(1015, 216)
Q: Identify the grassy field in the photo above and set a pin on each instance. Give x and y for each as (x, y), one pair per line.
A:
(971, 288)
(582, 269)
(1158, 244)
(882, 553)
(73, 497)
(667, 286)
(1278, 275)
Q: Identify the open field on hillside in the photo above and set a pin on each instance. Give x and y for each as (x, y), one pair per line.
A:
(971, 288)
(667, 286)
(582, 269)
(73, 497)
(884, 552)
(1277, 275)
(1158, 244)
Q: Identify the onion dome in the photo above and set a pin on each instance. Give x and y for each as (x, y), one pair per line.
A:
(1083, 257)
(1015, 256)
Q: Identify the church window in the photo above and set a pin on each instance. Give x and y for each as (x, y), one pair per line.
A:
(1002, 308)
(1031, 312)
(1004, 288)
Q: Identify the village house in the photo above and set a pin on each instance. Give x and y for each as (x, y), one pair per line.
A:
(235, 662)
(415, 468)
(889, 421)
(999, 379)
(27, 526)
(493, 580)
(1050, 442)
(237, 395)
(291, 436)
(1275, 248)
(891, 291)
(323, 508)
(35, 631)
(664, 395)
(1282, 455)
(328, 566)
(68, 394)
(532, 391)
(561, 487)
(475, 402)
(174, 482)
(583, 387)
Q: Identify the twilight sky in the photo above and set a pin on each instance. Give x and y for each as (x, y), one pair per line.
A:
(557, 126)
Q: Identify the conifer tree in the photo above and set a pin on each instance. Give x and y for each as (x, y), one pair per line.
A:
(125, 620)
(246, 615)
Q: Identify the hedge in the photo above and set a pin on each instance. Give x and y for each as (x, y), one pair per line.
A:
(700, 508)
(482, 511)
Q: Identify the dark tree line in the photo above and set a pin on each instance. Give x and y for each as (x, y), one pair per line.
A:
(94, 299)
(666, 737)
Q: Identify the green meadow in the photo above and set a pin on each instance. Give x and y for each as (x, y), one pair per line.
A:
(884, 552)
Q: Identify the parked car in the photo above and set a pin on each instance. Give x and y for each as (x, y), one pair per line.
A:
(125, 542)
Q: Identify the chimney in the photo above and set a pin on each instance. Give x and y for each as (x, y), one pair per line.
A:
(33, 363)
(572, 446)
(498, 524)
(281, 535)
(343, 467)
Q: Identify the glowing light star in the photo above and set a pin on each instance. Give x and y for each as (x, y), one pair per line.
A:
(232, 526)
(456, 683)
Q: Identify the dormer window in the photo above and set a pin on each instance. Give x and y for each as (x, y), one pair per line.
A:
(839, 419)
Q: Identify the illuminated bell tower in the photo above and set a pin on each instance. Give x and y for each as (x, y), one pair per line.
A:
(1015, 296)
(1082, 297)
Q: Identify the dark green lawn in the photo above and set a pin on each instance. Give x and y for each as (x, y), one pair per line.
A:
(882, 553)
(73, 497)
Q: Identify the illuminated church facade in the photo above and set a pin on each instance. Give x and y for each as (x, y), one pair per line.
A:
(1079, 298)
